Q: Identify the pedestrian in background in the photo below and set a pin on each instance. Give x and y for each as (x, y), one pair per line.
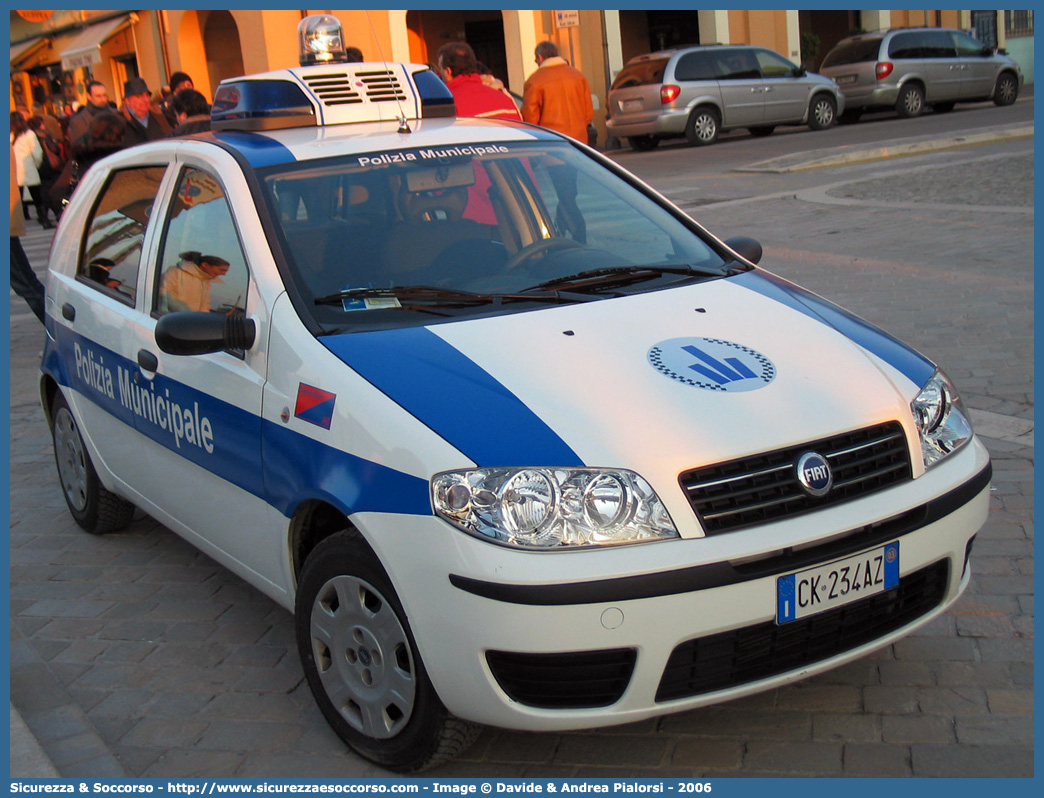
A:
(191, 112)
(104, 138)
(143, 122)
(54, 127)
(471, 96)
(24, 281)
(50, 168)
(29, 156)
(558, 96)
(179, 81)
(97, 103)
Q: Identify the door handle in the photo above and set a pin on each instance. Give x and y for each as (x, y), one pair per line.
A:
(68, 312)
(147, 360)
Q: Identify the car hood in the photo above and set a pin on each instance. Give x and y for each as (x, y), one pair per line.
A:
(657, 382)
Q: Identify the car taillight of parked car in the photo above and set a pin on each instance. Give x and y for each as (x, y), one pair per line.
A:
(669, 94)
(883, 69)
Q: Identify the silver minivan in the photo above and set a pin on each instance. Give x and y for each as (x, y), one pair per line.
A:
(700, 91)
(911, 68)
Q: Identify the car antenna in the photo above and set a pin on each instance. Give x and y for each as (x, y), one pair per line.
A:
(404, 126)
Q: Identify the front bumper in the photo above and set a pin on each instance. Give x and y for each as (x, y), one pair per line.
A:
(519, 640)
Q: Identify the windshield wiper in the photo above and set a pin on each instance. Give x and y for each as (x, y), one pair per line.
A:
(617, 276)
(421, 295)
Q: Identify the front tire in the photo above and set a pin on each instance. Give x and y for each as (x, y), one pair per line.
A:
(1007, 89)
(703, 127)
(822, 112)
(911, 101)
(362, 663)
(95, 509)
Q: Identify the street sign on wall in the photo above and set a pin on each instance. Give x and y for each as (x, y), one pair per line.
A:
(567, 19)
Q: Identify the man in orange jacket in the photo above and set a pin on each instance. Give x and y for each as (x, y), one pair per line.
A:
(557, 96)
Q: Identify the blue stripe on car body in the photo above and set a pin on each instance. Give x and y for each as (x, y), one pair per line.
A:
(917, 368)
(454, 396)
(286, 466)
(259, 150)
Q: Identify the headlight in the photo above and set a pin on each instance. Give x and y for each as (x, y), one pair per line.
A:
(544, 508)
(941, 419)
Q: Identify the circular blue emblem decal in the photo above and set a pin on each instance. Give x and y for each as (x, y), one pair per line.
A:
(813, 472)
(712, 364)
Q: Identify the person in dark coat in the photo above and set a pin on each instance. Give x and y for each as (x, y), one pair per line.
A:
(143, 122)
(97, 103)
(192, 112)
(179, 81)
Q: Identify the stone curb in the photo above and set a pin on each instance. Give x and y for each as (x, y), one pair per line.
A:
(841, 156)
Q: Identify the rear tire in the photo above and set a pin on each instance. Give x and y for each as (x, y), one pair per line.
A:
(643, 143)
(362, 662)
(703, 127)
(1007, 89)
(95, 509)
(911, 101)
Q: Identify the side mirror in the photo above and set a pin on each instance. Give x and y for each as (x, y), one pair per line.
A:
(800, 71)
(192, 332)
(747, 247)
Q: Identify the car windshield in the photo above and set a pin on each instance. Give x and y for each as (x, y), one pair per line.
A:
(421, 235)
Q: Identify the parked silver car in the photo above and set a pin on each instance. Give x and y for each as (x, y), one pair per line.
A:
(910, 68)
(697, 92)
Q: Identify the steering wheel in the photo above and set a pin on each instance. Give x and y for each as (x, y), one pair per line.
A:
(541, 245)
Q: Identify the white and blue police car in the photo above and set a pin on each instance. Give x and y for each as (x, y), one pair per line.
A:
(517, 441)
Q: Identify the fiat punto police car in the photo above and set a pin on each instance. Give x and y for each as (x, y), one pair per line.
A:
(516, 440)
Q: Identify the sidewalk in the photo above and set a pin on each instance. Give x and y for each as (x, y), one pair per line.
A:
(28, 760)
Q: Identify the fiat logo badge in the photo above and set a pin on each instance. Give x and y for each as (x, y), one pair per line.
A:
(814, 475)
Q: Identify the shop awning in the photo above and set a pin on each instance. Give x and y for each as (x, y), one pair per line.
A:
(25, 50)
(85, 49)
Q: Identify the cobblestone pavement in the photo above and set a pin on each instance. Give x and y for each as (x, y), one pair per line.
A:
(133, 654)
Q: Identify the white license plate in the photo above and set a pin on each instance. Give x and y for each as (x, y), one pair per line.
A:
(631, 105)
(835, 584)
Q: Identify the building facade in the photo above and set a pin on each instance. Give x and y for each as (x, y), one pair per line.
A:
(55, 53)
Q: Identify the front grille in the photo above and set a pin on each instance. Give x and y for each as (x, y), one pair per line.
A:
(734, 658)
(764, 487)
(342, 88)
(564, 681)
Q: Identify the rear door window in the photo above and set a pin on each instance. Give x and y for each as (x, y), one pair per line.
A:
(907, 45)
(116, 230)
(697, 65)
(737, 65)
(938, 44)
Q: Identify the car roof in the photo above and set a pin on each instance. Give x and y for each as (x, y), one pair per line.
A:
(668, 52)
(261, 149)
